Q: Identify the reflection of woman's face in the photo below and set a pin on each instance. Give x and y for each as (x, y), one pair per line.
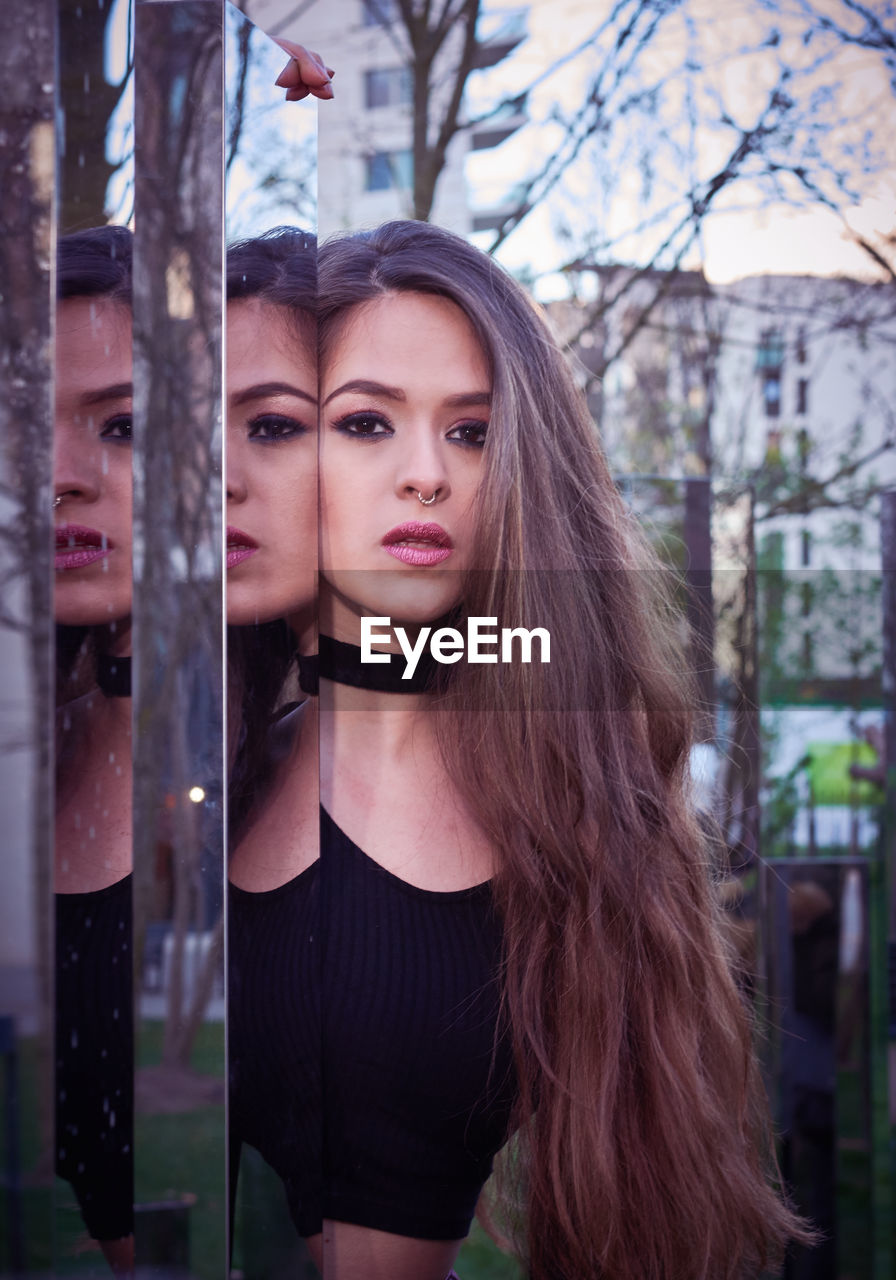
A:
(92, 461)
(405, 408)
(271, 466)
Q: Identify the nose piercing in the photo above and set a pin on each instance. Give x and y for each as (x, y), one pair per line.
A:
(56, 502)
(427, 501)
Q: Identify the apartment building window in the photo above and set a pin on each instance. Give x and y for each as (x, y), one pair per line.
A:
(388, 87)
(769, 360)
(771, 393)
(801, 345)
(805, 548)
(770, 353)
(802, 396)
(379, 13)
(389, 169)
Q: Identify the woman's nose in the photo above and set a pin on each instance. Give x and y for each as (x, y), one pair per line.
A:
(423, 473)
(237, 488)
(77, 467)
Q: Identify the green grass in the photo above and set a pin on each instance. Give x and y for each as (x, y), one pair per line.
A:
(186, 1153)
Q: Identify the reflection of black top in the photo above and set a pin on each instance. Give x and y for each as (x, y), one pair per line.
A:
(273, 1017)
(95, 1056)
(388, 1111)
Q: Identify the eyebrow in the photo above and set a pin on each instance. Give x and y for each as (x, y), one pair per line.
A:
(465, 399)
(262, 390)
(118, 391)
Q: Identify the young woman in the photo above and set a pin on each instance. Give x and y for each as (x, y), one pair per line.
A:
(271, 464)
(271, 585)
(92, 602)
(518, 933)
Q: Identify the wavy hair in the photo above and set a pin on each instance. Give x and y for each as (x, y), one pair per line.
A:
(642, 1142)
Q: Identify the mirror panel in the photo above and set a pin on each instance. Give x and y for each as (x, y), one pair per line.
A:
(271, 471)
(181, 1220)
(27, 108)
(92, 611)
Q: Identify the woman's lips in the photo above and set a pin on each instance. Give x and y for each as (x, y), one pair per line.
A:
(77, 546)
(418, 544)
(239, 546)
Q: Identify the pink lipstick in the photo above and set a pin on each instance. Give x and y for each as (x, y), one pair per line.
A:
(239, 546)
(78, 546)
(418, 544)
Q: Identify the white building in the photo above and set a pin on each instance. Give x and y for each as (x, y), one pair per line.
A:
(789, 380)
(365, 134)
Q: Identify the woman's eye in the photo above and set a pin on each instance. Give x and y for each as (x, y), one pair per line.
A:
(269, 428)
(367, 426)
(469, 433)
(117, 428)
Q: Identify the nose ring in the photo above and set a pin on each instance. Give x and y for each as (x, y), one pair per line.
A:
(427, 502)
(56, 502)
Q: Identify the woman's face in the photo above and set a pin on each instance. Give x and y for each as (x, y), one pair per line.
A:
(92, 462)
(271, 467)
(405, 409)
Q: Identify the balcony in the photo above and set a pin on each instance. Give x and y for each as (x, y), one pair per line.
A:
(503, 122)
(499, 34)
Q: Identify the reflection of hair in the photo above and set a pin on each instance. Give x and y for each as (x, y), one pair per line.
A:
(95, 263)
(643, 1133)
(278, 268)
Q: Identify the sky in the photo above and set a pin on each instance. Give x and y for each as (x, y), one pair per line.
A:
(846, 92)
(605, 198)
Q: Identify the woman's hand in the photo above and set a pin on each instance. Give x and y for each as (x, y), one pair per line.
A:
(305, 73)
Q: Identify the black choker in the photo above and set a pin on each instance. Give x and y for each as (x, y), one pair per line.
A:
(342, 663)
(113, 675)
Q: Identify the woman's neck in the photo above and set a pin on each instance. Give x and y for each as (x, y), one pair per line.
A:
(367, 723)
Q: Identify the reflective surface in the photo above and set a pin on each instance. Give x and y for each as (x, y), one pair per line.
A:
(27, 66)
(181, 1221)
(271, 611)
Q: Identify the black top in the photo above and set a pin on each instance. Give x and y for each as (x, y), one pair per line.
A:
(273, 1030)
(393, 1123)
(95, 1056)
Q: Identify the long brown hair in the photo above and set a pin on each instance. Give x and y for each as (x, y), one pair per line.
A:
(642, 1138)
